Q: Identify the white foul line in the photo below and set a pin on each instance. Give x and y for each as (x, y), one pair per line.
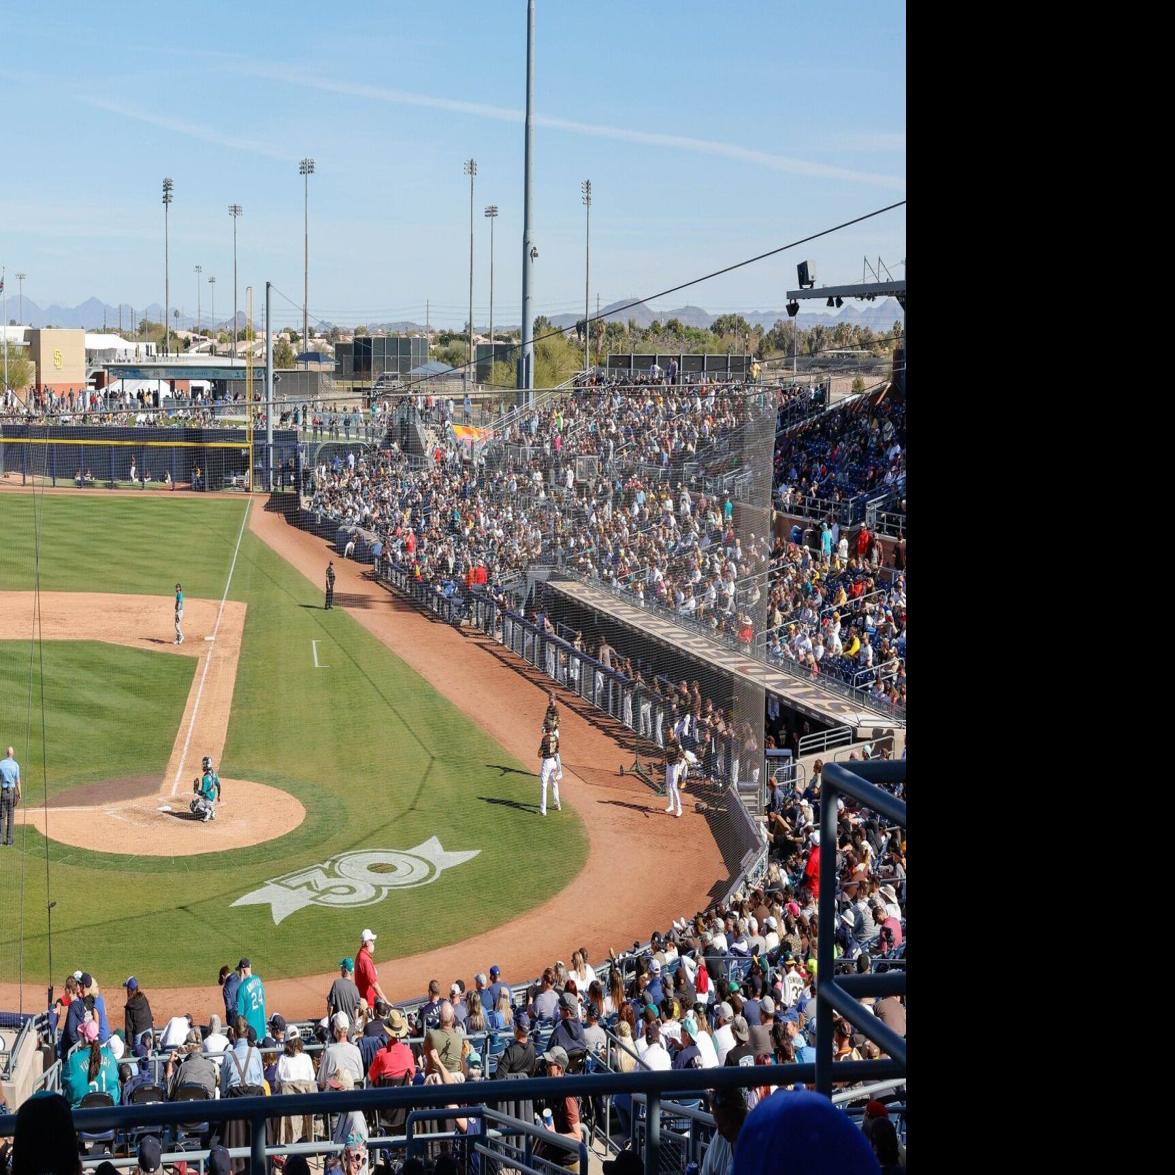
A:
(314, 650)
(208, 659)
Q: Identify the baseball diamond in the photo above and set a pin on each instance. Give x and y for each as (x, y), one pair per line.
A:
(375, 767)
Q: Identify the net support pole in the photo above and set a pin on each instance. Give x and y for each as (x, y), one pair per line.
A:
(268, 388)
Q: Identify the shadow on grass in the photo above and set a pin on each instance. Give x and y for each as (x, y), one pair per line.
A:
(518, 806)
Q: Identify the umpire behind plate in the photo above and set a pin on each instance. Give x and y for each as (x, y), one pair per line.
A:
(207, 789)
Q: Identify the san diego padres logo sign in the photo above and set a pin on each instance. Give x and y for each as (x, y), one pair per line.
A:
(58, 359)
(355, 879)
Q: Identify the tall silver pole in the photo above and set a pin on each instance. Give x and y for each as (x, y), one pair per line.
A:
(471, 171)
(212, 300)
(20, 286)
(526, 363)
(586, 187)
(268, 387)
(306, 170)
(235, 210)
(492, 215)
(199, 271)
(168, 185)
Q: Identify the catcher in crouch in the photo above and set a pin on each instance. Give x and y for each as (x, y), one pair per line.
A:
(207, 789)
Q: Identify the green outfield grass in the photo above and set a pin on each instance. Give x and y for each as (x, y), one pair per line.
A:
(378, 758)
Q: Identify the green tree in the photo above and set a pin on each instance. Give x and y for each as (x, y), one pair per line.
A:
(20, 367)
(503, 375)
(283, 354)
(361, 329)
(730, 324)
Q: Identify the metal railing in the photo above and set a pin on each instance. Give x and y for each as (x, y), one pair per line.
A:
(824, 740)
(841, 993)
(657, 1087)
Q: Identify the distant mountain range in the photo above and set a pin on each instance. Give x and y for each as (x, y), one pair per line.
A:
(877, 315)
(91, 314)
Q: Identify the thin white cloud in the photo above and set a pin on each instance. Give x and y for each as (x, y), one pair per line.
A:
(622, 134)
(192, 130)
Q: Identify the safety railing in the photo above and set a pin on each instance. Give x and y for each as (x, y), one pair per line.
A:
(842, 993)
(890, 524)
(824, 740)
(657, 1087)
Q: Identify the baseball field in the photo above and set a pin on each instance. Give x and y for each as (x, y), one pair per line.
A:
(374, 758)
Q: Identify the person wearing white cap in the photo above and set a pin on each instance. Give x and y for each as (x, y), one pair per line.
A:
(366, 975)
(723, 1034)
(341, 1054)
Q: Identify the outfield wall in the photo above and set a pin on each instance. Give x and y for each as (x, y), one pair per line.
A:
(56, 452)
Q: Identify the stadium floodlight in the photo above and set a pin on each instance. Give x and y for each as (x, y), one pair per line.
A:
(491, 214)
(793, 308)
(830, 303)
(470, 169)
(805, 276)
(839, 302)
(168, 187)
(306, 170)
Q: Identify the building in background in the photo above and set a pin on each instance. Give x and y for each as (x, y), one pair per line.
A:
(59, 358)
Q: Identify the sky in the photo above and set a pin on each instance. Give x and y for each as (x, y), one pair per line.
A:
(711, 133)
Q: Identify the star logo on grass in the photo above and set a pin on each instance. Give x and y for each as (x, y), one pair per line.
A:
(355, 879)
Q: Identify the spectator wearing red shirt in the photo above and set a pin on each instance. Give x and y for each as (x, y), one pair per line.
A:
(366, 976)
(396, 1060)
(863, 540)
(812, 870)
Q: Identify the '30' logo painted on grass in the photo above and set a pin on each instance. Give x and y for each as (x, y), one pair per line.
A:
(354, 879)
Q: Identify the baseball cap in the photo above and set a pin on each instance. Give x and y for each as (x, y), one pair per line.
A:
(655, 967)
(495, 971)
(557, 1055)
(726, 1011)
(149, 1153)
(132, 984)
(767, 1006)
(569, 1002)
(522, 1020)
(454, 989)
(367, 936)
(690, 1025)
(791, 1016)
(738, 1026)
(277, 1021)
(347, 963)
(340, 1020)
(86, 979)
(243, 964)
(219, 1162)
(474, 1060)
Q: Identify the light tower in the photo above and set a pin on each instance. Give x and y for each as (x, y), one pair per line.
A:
(235, 211)
(491, 213)
(586, 189)
(20, 289)
(199, 270)
(470, 170)
(306, 170)
(168, 185)
(212, 299)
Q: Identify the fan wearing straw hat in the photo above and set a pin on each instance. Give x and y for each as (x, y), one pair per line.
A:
(395, 1060)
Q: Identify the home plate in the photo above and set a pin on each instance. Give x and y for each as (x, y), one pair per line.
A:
(165, 808)
(210, 638)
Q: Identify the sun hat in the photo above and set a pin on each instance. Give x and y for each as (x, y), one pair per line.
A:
(396, 1025)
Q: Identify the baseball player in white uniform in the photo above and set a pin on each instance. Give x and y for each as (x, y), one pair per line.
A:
(673, 765)
(549, 770)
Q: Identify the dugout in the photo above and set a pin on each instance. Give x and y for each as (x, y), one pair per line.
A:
(51, 453)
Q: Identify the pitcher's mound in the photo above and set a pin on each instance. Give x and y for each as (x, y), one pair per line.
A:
(109, 820)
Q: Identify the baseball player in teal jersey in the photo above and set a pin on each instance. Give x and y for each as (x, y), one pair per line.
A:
(179, 614)
(207, 789)
(251, 999)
